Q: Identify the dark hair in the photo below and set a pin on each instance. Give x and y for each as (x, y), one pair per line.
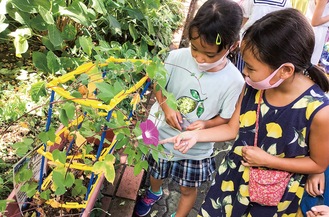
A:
(217, 17)
(285, 36)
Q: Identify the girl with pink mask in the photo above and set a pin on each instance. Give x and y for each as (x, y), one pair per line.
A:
(206, 85)
(280, 122)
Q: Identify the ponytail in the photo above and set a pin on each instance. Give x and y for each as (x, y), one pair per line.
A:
(318, 75)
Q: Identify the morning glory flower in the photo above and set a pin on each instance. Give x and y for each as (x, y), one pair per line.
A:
(150, 133)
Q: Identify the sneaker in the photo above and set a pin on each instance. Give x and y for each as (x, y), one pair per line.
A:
(173, 215)
(144, 205)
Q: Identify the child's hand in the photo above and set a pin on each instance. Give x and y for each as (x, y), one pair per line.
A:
(315, 184)
(321, 210)
(254, 156)
(197, 125)
(182, 142)
(173, 118)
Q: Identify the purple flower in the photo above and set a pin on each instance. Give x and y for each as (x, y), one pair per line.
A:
(150, 133)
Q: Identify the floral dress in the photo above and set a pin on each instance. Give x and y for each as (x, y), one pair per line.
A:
(283, 132)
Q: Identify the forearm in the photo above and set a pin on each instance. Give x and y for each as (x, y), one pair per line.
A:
(303, 165)
(219, 133)
(319, 21)
(215, 122)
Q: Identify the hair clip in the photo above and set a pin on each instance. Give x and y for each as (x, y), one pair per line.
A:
(218, 39)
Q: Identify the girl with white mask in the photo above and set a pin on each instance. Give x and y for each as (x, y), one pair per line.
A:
(206, 85)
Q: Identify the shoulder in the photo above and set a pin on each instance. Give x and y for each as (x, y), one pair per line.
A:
(179, 53)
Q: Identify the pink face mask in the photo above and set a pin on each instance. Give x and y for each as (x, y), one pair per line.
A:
(265, 84)
(207, 66)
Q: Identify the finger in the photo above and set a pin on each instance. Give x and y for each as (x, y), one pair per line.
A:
(244, 163)
(184, 148)
(168, 140)
(177, 125)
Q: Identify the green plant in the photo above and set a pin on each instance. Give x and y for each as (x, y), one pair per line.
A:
(66, 33)
(88, 94)
(60, 35)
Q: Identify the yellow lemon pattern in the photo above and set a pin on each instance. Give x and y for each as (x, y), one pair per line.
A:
(248, 119)
(311, 107)
(283, 132)
(273, 130)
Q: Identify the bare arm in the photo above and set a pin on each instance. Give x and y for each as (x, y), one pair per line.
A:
(318, 18)
(200, 124)
(184, 141)
(318, 160)
(173, 118)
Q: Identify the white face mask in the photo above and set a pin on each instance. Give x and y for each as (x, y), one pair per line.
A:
(208, 66)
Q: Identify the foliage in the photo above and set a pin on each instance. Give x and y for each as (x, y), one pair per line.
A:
(60, 35)
(66, 33)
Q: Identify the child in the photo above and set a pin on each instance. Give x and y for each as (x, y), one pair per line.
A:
(316, 192)
(253, 10)
(319, 17)
(320, 210)
(293, 117)
(207, 86)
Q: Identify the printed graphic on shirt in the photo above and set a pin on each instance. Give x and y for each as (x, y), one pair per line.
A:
(279, 3)
(187, 104)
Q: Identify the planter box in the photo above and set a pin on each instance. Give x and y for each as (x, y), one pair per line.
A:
(13, 208)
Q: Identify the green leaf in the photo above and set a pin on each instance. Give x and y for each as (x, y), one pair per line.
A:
(24, 174)
(38, 90)
(148, 40)
(171, 100)
(155, 155)
(75, 12)
(45, 194)
(106, 167)
(59, 155)
(54, 35)
(38, 23)
(86, 44)
(40, 61)
(24, 5)
(53, 62)
(30, 188)
(79, 188)
(43, 136)
(60, 190)
(63, 117)
(23, 147)
(69, 108)
(98, 5)
(114, 24)
(150, 28)
(69, 32)
(46, 15)
(140, 166)
(133, 31)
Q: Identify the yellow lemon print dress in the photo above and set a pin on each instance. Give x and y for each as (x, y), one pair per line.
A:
(283, 132)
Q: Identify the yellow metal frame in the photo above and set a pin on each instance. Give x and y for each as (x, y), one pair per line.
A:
(87, 67)
(53, 85)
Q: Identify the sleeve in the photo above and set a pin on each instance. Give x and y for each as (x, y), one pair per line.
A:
(246, 6)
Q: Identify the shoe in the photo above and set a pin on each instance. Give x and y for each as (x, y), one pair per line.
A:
(144, 205)
(173, 215)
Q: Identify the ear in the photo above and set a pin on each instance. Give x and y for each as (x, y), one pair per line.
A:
(287, 70)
